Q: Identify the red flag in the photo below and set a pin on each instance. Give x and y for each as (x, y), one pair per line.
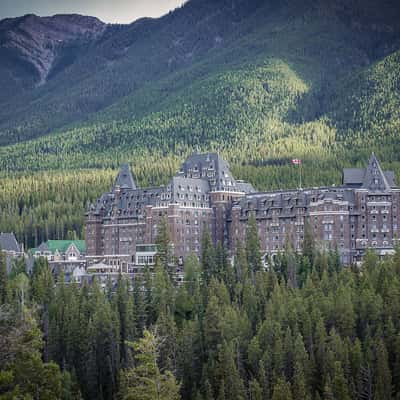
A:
(296, 161)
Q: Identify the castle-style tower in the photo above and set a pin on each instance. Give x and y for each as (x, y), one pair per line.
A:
(197, 198)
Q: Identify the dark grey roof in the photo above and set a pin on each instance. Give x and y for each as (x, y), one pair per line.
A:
(8, 242)
(124, 178)
(245, 187)
(353, 176)
(133, 202)
(293, 198)
(212, 167)
(189, 189)
(372, 177)
(390, 177)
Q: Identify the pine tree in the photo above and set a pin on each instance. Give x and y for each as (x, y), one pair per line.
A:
(365, 383)
(103, 360)
(139, 310)
(23, 374)
(291, 266)
(19, 286)
(282, 390)
(383, 377)
(167, 332)
(339, 383)
(396, 367)
(43, 293)
(223, 268)
(253, 250)
(164, 250)
(308, 244)
(212, 322)
(328, 392)
(124, 308)
(228, 374)
(255, 390)
(208, 264)
(145, 381)
(3, 278)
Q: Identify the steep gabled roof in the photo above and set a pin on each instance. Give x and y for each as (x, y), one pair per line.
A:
(371, 178)
(124, 178)
(8, 242)
(374, 178)
(210, 166)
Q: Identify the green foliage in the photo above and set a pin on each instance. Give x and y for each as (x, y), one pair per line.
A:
(3, 278)
(22, 371)
(261, 82)
(145, 381)
(253, 247)
(335, 336)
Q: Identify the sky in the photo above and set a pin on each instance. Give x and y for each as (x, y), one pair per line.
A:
(113, 11)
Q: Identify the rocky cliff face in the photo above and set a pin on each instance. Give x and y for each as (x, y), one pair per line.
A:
(30, 45)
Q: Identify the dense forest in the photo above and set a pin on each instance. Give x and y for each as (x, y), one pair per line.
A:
(259, 81)
(305, 328)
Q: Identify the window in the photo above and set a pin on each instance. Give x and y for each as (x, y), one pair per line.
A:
(328, 227)
(327, 236)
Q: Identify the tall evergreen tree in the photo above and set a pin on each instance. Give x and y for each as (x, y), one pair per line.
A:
(282, 390)
(253, 250)
(3, 278)
(145, 381)
(208, 263)
(383, 377)
(339, 384)
(308, 244)
(164, 250)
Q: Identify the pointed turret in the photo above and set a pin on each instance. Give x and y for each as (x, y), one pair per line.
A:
(374, 178)
(124, 179)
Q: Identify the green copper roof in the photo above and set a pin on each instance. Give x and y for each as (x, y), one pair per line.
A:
(62, 245)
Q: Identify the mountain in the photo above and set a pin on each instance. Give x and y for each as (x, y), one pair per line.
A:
(74, 68)
(32, 48)
(260, 81)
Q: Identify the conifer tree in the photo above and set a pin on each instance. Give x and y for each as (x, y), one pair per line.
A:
(228, 373)
(339, 384)
(282, 390)
(103, 360)
(145, 381)
(253, 250)
(383, 377)
(255, 390)
(308, 244)
(3, 278)
(124, 307)
(139, 309)
(164, 251)
(208, 264)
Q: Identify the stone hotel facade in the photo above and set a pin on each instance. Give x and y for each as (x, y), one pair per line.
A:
(361, 213)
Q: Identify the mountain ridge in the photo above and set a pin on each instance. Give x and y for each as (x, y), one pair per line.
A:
(158, 68)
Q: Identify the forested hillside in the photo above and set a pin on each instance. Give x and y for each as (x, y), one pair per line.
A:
(305, 329)
(259, 81)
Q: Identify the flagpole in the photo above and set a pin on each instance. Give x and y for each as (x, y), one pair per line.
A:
(298, 162)
(300, 175)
